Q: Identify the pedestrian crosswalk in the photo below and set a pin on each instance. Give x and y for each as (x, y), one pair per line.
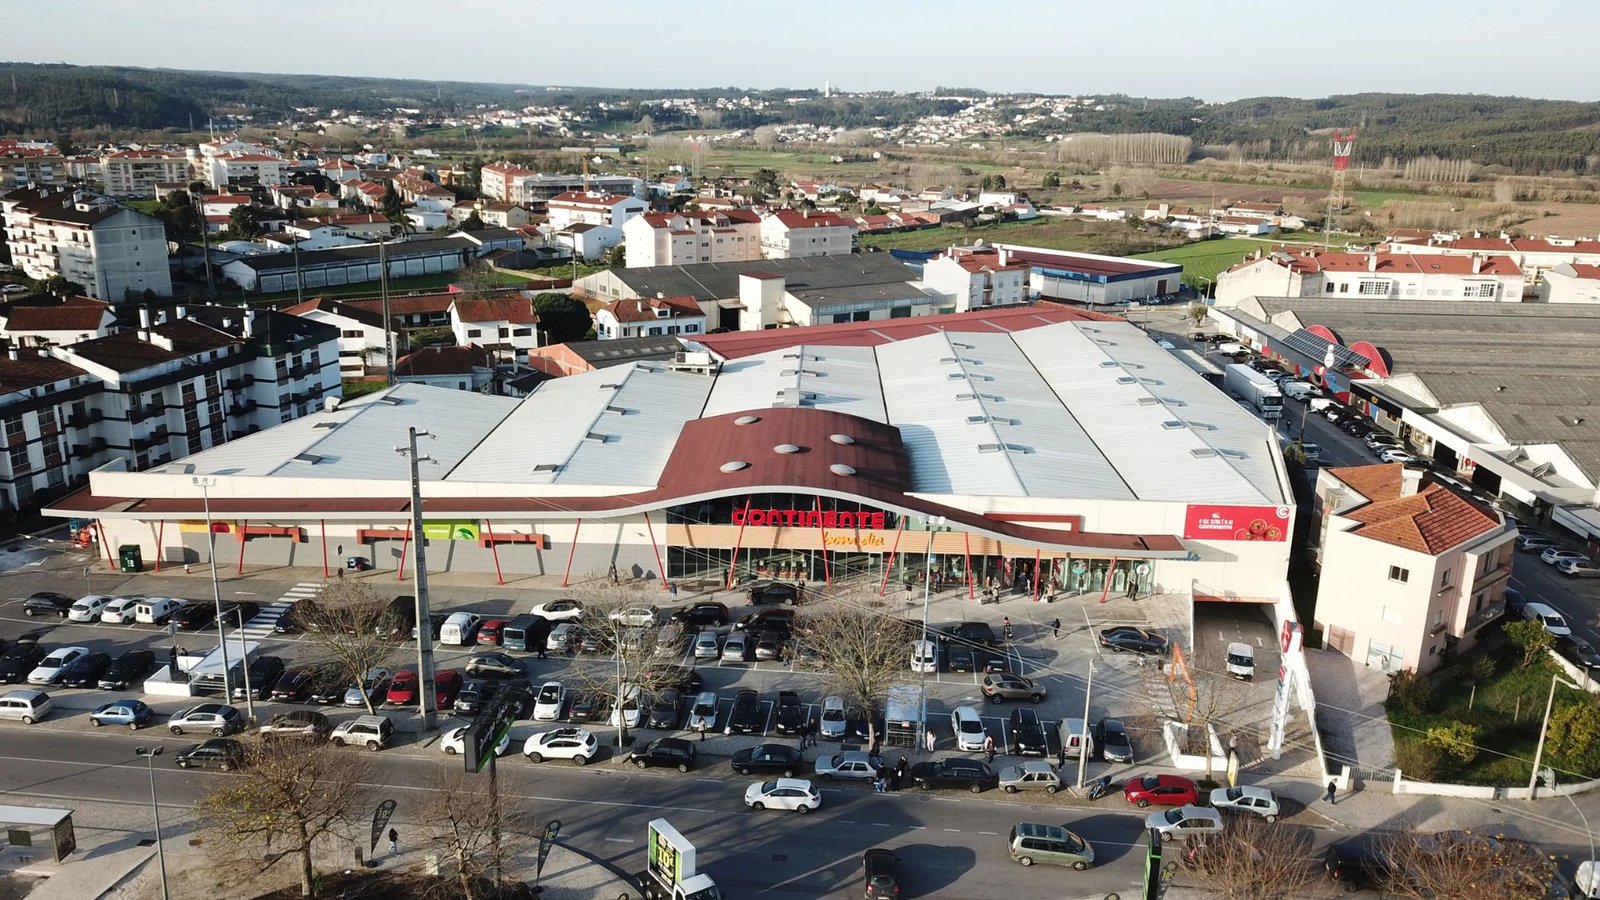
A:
(261, 626)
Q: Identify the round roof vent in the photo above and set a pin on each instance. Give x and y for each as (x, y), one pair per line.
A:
(841, 439)
(746, 420)
(786, 448)
(733, 465)
(841, 469)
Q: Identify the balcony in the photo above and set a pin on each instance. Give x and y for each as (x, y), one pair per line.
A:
(1492, 576)
(1486, 615)
(243, 408)
(85, 419)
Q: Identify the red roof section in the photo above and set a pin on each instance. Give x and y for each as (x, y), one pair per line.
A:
(517, 310)
(646, 309)
(76, 314)
(443, 361)
(738, 344)
(1077, 262)
(1311, 261)
(795, 218)
(1583, 270)
(1431, 521)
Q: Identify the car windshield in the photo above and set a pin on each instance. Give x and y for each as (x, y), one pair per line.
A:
(1234, 793)
(1173, 816)
(704, 709)
(768, 787)
(971, 726)
(833, 715)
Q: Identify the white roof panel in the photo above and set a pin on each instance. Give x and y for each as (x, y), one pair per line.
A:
(841, 379)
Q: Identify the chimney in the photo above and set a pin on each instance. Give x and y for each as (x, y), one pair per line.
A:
(250, 324)
(1372, 262)
(144, 320)
(1004, 255)
(1477, 264)
(12, 353)
(183, 312)
(1410, 481)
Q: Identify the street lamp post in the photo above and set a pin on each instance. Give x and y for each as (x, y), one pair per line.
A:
(150, 754)
(204, 482)
(934, 523)
(1544, 728)
(244, 668)
(1083, 739)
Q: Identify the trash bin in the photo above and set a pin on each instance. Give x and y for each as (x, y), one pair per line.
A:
(131, 558)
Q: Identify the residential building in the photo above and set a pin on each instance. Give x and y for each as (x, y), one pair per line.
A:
(109, 250)
(1371, 276)
(290, 196)
(339, 170)
(361, 333)
(1246, 225)
(790, 233)
(1570, 283)
(30, 162)
(578, 208)
(505, 325)
(48, 322)
(226, 171)
(136, 173)
(681, 239)
(559, 360)
(651, 317)
(413, 188)
(1410, 571)
(586, 241)
(978, 277)
(460, 368)
(516, 184)
(494, 213)
(1534, 256)
(360, 226)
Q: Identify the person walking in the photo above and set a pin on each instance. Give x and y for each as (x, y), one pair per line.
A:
(1061, 757)
(394, 842)
(929, 739)
(900, 773)
(1333, 788)
(988, 748)
(1055, 627)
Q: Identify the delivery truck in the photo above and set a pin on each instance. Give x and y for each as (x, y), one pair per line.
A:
(1255, 389)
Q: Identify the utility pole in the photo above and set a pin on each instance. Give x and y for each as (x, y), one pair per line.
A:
(204, 482)
(425, 674)
(388, 333)
(1083, 739)
(150, 754)
(299, 279)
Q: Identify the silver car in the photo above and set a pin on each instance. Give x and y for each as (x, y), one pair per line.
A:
(703, 714)
(1030, 775)
(707, 645)
(217, 718)
(1247, 799)
(857, 764)
(1184, 821)
(736, 648)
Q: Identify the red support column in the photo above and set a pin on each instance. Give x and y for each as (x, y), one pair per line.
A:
(570, 552)
(966, 539)
(324, 524)
(892, 551)
(495, 552)
(1109, 570)
(827, 571)
(161, 530)
(244, 532)
(656, 550)
(1035, 578)
(106, 542)
(733, 561)
(405, 546)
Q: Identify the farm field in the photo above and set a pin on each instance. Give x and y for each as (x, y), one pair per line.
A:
(1051, 233)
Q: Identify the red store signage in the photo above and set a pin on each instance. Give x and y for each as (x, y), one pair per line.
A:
(810, 518)
(1236, 523)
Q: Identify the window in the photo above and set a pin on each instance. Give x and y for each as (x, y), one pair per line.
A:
(1344, 288)
(1444, 580)
(1374, 288)
(1398, 574)
(690, 329)
(19, 459)
(474, 332)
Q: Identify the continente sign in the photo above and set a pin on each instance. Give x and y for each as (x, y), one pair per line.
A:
(811, 518)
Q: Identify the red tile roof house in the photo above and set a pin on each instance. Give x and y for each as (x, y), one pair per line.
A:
(650, 316)
(506, 325)
(461, 368)
(53, 324)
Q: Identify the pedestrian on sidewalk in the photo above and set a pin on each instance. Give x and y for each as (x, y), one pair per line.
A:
(1333, 788)
(394, 842)
(1055, 626)
(988, 748)
(1061, 757)
(702, 731)
(929, 739)
(900, 773)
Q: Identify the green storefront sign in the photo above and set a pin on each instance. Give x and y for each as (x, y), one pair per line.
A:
(465, 530)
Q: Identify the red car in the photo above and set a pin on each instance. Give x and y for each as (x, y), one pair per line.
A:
(403, 689)
(447, 685)
(489, 631)
(1162, 790)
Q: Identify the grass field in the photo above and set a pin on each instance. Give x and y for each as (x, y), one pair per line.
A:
(1201, 262)
(1050, 233)
(148, 207)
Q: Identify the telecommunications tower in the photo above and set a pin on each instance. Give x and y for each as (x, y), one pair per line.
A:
(1343, 146)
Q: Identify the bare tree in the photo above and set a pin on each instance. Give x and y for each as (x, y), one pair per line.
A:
(465, 823)
(863, 653)
(1212, 699)
(1254, 860)
(1462, 865)
(293, 796)
(621, 615)
(352, 627)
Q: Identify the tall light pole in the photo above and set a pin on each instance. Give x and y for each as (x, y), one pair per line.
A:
(1544, 727)
(150, 754)
(1083, 738)
(204, 482)
(244, 668)
(425, 698)
(934, 524)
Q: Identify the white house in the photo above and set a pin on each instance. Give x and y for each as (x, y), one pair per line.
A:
(458, 368)
(649, 317)
(997, 198)
(789, 233)
(56, 324)
(587, 241)
(505, 325)
(1570, 283)
(679, 239)
(578, 208)
(1246, 225)
(978, 277)
(1371, 276)
(361, 334)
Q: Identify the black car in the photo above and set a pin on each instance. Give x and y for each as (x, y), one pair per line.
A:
(18, 660)
(665, 709)
(672, 752)
(790, 714)
(882, 871)
(238, 612)
(970, 634)
(586, 707)
(1138, 640)
(264, 673)
(226, 754)
(954, 772)
(294, 685)
(1515, 601)
(702, 615)
(991, 662)
(475, 696)
(47, 603)
(126, 670)
(295, 617)
(85, 671)
(776, 592)
(194, 616)
(769, 759)
(958, 658)
(435, 625)
(779, 620)
(328, 687)
(1112, 738)
(1579, 651)
(593, 639)
(746, 716)
(1027, 734)
(1355, 867)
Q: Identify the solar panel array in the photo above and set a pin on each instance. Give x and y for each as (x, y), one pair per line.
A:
(1316, 347)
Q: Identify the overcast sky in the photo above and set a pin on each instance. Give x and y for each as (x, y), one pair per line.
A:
(1212, 49)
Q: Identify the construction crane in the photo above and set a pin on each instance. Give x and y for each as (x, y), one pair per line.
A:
(1343, 146)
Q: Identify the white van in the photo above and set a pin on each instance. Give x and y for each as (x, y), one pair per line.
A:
(1074, 735)
(459, 628)
(1552, 621)
(924, 656)
(1242, 661)
(1295, 390)
(155, 610)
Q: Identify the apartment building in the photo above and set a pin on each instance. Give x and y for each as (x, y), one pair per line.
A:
(136, 173)
(1371, 276)
(110, 251)
(30, 162)
(978, 277)
(593, 208)
(223, 172)
(361, 333)
(790, 233)
(505, 325)
(1409, 567)
(681, 239)
(515, 184)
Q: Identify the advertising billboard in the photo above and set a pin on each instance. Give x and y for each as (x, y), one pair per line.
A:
(1211, 522)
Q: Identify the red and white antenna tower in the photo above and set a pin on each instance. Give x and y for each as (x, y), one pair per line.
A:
(1343, 145)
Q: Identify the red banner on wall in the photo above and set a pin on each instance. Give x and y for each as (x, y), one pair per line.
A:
(1236, 523)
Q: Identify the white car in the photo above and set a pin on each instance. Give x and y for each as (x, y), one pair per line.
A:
(1534, 542)
(968, 726)
(1166, 345)
(563, 610)
(1185, 821)
(797, 794)
(636, 616)
(833, 721)
(49, 669)
(547, 705)
(88, 609)
(576, 744)
(1257, 801)
(1547, 616)
(1579, 568)
(456, 742)
(1391, 455)
(119, 611)
(707, 644)
(1555, 556)
(627, 712)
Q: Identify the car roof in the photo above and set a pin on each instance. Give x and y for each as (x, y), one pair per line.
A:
(1036, 765)
(967, 712)
(1241, 649)
(1030, 829)
(798, 783)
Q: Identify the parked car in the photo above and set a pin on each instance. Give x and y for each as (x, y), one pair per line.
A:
(1534, 542)
(446, 687)
(701, 615)
(1553, 621)
(460, 629)
(779, 620)
(789, 715)
(586, 706)
(373, 689)
(218, 718)
(1049, 844)
(547, 704)
(128, 711)
(1027, 732)
(1160, 790)
(327, 687)
(237, 613)
(88, 608)
(1139, 640)
(746, 715)
(126, 670)
(194, 616)
(576, 744)
(17, 660)
(769, 645)
(707, 645)
(25, 705)
(1579, 652)
(1391, 455)
(50, 669)
(957, 658)
(1354, 867)
(47, 603)
(475, 696)
(636, 616)
(1004, 686)
(971, 634)
(783, 793)
(1184, 822)
(1515, 601)
(967, 724)
(1112, 739)
(489, 631)
(264, 672)
(672, 752)
(563, 610)
(881, 869)
(665, 709)
(703, 714)
(455, 741)
(1030, 775)
(736, 648)
(774, 592)
(302, 724)
(990, 661)
(294, 685)
(372, 732)
(954, 772)
(834, 720)
(1257, 801)
(226, 754)
(402, 688)
(1553, 556)
(1578, 568)
(494, 665)
(629, 712)
(119, 611)
(769, 759)
(854, 764)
